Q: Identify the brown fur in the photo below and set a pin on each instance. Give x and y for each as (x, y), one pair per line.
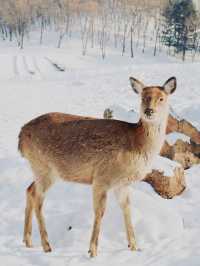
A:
(104, 153)
(86, 147)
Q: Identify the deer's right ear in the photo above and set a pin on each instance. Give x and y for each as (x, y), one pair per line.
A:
(136, 85)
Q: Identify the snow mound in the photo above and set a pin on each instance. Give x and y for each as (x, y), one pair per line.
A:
(173, 137)
(165, 165)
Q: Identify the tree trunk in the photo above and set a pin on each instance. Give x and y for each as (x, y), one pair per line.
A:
(41, 30)
(132, 54)
(22, 36)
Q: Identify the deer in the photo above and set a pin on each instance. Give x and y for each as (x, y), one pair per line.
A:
(106, 154)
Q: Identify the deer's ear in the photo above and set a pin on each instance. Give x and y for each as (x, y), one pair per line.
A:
(170, 85)
(136, 85)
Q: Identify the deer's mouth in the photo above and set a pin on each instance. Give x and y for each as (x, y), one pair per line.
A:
(149, 116)
(149, 113)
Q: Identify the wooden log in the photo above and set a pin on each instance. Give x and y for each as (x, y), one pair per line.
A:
(167, 150)
(195, 148)
(182, 152)
(167, 185)
(186, 159)
(184, 127)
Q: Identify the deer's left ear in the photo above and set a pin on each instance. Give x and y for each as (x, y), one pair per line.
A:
(170, 85)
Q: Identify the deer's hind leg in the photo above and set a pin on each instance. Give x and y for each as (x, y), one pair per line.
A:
(35, 198)
(28, 216)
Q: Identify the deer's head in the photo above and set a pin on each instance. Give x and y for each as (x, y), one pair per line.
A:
(154, 99)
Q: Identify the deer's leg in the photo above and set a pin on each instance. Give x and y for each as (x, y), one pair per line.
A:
(28, 216)
(122, 195)
(41, 187)
(35, 198)
(99, 202)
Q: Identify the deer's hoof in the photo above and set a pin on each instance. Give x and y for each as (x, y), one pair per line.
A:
(47, 248)
(132, 247)
(28, 243)
(93, 253)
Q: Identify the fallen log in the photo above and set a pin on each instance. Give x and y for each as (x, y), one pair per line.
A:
(169, 184)
(186, 159)
(182, 152)
(184, 127)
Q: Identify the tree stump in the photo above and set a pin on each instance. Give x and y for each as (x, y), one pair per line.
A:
(168, 184)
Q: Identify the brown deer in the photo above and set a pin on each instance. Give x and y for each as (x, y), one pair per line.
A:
(104, 153)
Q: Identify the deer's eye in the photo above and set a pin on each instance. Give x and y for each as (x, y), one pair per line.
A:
(161, 99)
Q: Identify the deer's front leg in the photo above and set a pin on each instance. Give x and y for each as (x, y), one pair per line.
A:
(99, 202)
(122, 195)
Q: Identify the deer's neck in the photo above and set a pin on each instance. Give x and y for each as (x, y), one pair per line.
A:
(151, 135)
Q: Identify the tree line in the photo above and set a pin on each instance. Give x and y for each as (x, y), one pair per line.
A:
(126, 24)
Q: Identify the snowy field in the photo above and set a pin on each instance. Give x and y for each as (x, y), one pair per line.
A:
(167, 231)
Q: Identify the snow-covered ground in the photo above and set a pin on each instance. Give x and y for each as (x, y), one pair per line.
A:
(167, 231)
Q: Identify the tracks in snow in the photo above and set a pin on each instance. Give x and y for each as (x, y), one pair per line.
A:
(32, 67)
(26, 67)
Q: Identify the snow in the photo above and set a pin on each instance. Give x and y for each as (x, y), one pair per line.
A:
(165, 165)
(167, 231)
(173, 137)
(122, 114)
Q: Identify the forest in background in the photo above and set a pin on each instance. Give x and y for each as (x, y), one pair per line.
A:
(123, 24)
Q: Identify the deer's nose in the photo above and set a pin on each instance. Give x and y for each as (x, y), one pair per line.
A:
(149, 111)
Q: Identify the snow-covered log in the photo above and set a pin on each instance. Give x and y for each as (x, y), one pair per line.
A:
(183, 126)
(167, 178)
(181, 151)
